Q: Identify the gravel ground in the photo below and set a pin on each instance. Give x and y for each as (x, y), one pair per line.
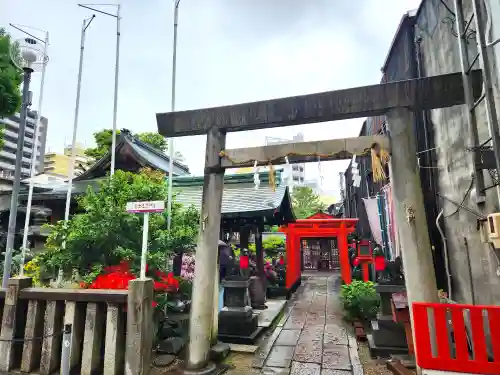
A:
(371, 366)
(242, 364)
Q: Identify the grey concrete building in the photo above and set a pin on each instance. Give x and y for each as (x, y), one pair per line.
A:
(10, 135)
(474, 266)
(426, 44)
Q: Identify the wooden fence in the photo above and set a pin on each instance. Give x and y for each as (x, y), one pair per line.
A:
(33, 320)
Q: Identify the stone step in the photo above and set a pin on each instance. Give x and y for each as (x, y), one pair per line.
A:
(383, 323)
(383, 351)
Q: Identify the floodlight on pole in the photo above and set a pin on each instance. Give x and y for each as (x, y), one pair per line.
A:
(27, 55)
(171, 151)
(24, 247)
(117, 69)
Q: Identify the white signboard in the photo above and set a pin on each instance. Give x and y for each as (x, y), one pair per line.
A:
(145, 207)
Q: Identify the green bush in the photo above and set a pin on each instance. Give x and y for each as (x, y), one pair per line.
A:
(271, 245)
(360, 300)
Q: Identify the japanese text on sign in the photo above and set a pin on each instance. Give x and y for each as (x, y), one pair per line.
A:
(144, 207)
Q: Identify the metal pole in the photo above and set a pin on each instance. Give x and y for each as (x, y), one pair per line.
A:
(115, 102)
(144, 254)
(171, 153)
(469, 268)
(9, 247)
(66, 351)
(33, 158)
(71, 166)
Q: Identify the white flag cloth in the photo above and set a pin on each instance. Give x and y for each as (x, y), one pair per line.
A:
(371, 206)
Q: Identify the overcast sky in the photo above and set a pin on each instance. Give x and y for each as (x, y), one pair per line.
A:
(229, 51)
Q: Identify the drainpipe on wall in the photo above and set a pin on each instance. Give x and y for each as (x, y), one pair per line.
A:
(429, 175)
(383, 227)
(446, 258)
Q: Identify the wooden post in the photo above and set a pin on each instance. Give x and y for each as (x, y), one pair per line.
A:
(34, 328)
(420, 278)
(345, 265)
(9, 320)
(206, 255)
(139, 338)
(259, 252)
(245, 232)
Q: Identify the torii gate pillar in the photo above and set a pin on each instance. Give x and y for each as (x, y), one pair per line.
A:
(420, 278)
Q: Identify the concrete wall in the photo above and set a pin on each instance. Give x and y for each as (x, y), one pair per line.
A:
(494, 30)
(440, 54)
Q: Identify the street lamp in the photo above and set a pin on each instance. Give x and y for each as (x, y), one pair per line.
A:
(117, 67)
(26, 55)
(171, 152)
(45, 42)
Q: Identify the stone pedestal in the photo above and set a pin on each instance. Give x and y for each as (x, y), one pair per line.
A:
(388, 337)
(385, 291)
(237, 323)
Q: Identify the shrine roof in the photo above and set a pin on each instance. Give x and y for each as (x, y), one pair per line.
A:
(240, 199)
(136, 154)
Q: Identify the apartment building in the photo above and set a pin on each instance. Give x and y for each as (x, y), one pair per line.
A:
(58, 164)
(10, 126)
(298, 170)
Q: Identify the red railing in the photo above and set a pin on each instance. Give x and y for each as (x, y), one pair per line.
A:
(467, 337)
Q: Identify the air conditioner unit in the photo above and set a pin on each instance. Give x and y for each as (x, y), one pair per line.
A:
(493, 228)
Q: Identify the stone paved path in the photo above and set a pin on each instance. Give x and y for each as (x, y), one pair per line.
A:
(311, 339)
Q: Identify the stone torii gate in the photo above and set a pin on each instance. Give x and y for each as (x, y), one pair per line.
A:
(397, 100)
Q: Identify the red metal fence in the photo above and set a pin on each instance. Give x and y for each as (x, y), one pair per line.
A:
(466, 339)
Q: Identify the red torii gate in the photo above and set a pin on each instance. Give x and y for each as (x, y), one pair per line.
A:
(318, 225)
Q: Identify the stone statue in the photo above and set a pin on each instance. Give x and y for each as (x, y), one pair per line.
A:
(393, 273)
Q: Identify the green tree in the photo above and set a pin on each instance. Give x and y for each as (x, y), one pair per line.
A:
(103, 141)
(104, 233)
(154, 139)
(306, 202)
(10, 80)
(271, 245)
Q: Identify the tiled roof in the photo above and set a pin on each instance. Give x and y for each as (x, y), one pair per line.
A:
(239, 195)
(237, 199)
(145, 155)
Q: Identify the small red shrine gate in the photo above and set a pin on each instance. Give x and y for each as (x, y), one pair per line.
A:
(319, 225)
